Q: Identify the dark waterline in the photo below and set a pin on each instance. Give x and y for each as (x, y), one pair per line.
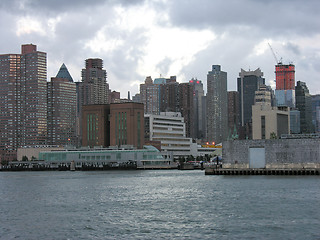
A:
(157, 205)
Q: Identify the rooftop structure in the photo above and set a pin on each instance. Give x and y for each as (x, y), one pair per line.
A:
(64, 73)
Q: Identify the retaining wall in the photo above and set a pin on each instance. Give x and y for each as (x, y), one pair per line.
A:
(279, 153)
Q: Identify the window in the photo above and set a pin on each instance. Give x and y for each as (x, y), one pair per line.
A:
(263, 127)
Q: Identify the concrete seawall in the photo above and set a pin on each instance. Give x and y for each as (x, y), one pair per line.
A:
(278, 153)
(270, 157)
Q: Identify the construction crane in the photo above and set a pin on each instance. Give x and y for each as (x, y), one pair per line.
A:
(274, 55)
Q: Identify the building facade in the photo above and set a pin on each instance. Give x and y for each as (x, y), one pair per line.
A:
(167, 95)
(170, 96)
(304, 105)
(186, 107)
(23, 93)
(127, 124)
(150, 96)
(285, 77)
(169, 129)
(233, 115)
(273, 154)
(268, 121)
(294, 121)
(198, 94)
(114, 97)
(316, 112)
(62, 102)
(217, 105)
(285, 85)
(93, 88)
(247, 83)
(96, 125)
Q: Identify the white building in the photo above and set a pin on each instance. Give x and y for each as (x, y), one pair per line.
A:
(169, 129)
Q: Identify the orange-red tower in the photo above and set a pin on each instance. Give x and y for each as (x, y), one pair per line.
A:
(285, 79)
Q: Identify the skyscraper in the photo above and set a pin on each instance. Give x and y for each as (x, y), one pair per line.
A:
(62, 109)
(316, 112)
(233, 114)
(285, 85)
(93, 89)
(285, 77)
(217, 105)
(248, 83)
(186, 107)
(198, 94)
(23, 93)
(150, 96)
(169, 96)
(304, 105)
(178, 97)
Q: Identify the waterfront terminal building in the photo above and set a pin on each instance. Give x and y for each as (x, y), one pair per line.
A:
(147, 158)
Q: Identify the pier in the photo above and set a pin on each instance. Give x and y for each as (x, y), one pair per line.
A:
(247, 171)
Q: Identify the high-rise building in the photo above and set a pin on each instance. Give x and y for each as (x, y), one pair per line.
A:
(285, 85)
(217, 105)
(94, 83)
(294, 121)
(23, 94)
(136, 98)
(178, 97)
(114, 96)
(169, 96)
(248, 83)
(93, 89)
(186, 107)
(233, 115)
(127, 124)
(150, 96)
(285, 77)
(204, 117)
(304, 105)
(198, 94)
(316, 112)
(62, 100)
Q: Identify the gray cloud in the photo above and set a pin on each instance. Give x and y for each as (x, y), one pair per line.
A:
(277, 17)
(294, 48)
(59, 6)
(238, 25)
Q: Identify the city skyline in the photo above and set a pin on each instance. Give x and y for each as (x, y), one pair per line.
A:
(147, 38)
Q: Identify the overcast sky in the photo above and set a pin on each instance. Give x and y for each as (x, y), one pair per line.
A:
(137, 38)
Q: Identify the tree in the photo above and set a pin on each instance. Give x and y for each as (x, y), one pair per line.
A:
(273, 135)
(25, 158)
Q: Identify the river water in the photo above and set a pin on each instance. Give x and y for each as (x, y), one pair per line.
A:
(159, 204)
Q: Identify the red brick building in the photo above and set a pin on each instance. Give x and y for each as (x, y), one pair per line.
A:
(127, 124)
(96, 125)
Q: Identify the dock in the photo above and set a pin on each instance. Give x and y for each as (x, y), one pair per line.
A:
(264, 171)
